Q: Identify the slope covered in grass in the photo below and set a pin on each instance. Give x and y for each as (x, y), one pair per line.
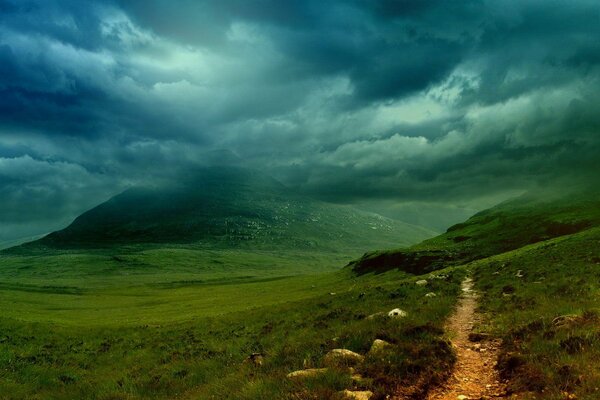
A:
(543, 300)
(528, 219)
(230, 207)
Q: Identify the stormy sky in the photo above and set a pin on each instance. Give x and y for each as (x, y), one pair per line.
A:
(405, 106)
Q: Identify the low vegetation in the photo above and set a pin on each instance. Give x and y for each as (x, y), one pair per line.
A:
(67, 354)
(189, 322)
(543, 301)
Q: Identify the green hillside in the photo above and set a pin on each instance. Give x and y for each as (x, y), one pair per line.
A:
(531, 218)
(230, 207)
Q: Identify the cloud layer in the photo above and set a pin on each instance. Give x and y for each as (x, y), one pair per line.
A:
(354, 101)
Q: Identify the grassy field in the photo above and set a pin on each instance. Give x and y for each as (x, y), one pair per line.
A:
(180, 322)
(137, 337)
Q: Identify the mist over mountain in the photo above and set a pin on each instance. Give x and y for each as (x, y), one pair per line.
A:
(230, 206)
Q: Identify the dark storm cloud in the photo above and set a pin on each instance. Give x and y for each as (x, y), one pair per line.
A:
(391, 100)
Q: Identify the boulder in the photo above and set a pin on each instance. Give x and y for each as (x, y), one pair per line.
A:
(355, 395)
(379, 345)
(397, 313)
(306, 373)
(422, 282)
(342, 357)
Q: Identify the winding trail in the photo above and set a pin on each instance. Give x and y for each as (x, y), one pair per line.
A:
(474, 376)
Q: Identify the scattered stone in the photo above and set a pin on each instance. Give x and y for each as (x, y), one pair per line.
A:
(255, 359)
(358, 379)
(332, 294)
(306, 373)
(342, 357)
(379, 345)
(422, 282)
(430, 294)
(519, 274)
(350, 395)
(397, 313)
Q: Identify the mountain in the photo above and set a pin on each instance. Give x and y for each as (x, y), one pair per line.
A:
(231, 207)
(528, 219)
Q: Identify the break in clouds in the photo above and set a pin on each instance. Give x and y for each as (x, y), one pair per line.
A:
(401, 105)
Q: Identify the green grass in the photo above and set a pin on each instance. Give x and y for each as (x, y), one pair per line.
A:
(541, 355)
(191, 341)
(178, 321)
(505, 227)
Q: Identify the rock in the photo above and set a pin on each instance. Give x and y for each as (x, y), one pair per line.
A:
(306, 373)
(496, 273)
(332, 294)
(350, 395)
(430, 294)
(379, 345)
(422, 282)
(376, 315)
(462, 397)
(342, 357)
(358, 379)
(397, 313)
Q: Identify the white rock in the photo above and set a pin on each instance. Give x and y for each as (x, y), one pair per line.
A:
(462, 397)
(306, 373)
(422, 282)
(397, 313)
(350, 395)
(430, 294)
(379, 345)
(342, 357)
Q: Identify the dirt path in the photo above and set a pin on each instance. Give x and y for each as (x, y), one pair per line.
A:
(474, 376)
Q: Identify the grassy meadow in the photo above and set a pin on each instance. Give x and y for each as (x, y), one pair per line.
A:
(177, 323)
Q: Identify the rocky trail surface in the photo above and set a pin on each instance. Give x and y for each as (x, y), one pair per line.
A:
(474, 376)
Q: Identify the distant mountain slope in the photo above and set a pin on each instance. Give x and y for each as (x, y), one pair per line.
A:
(231, 207)
(528, 219)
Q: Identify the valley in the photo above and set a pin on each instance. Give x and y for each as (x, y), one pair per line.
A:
(180, 320)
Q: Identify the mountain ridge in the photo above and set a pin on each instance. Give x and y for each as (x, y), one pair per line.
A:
(230, 207)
